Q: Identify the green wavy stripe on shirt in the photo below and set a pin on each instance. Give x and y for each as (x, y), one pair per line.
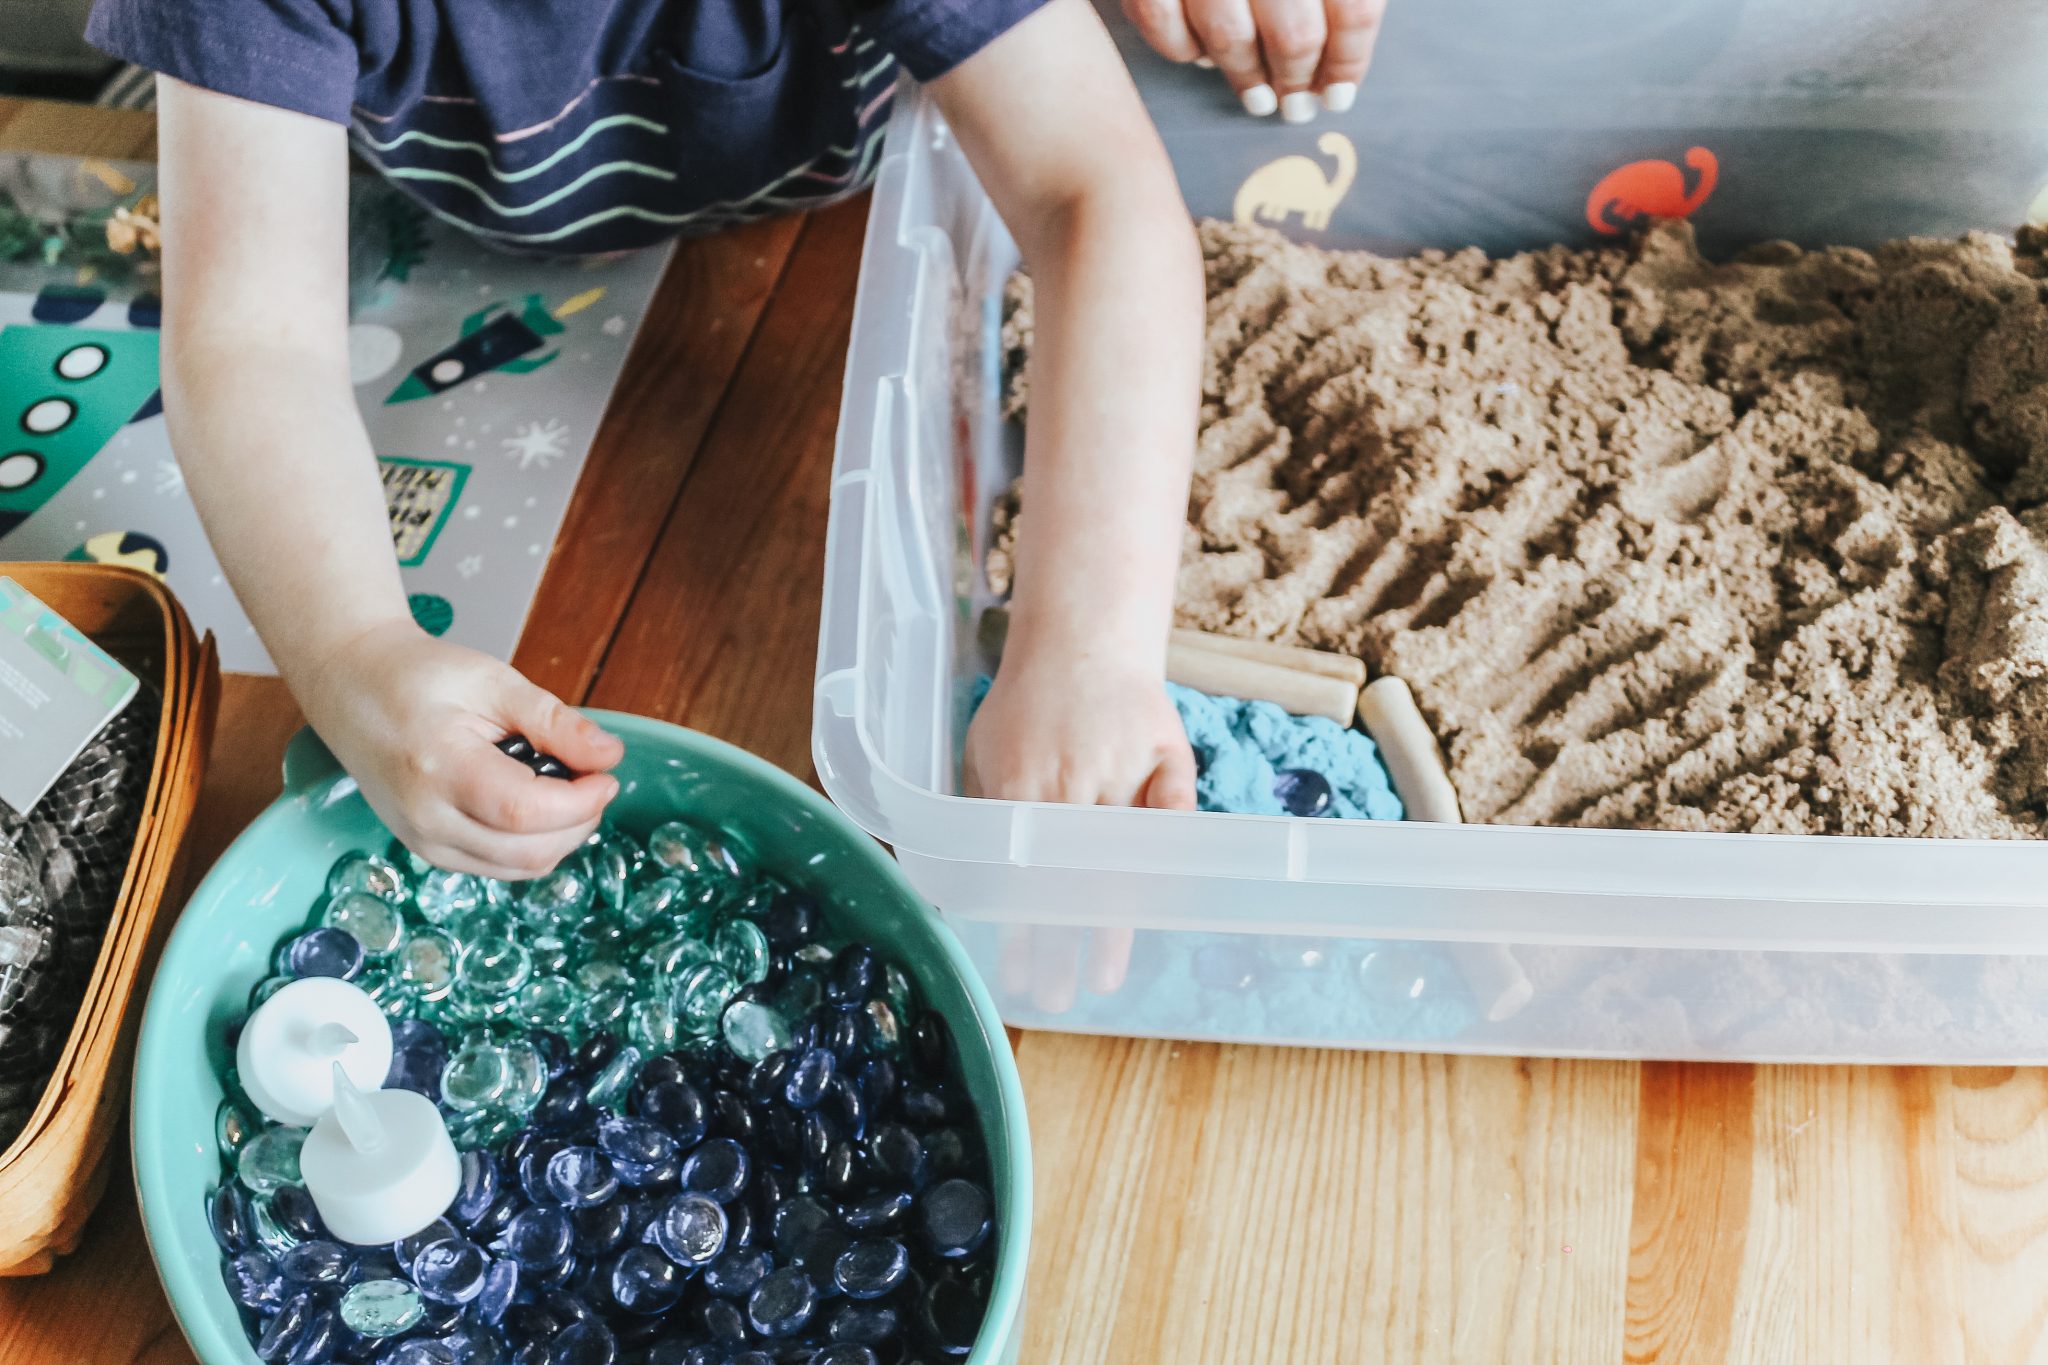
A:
(521, 210)
(453, 145)
(866, 76)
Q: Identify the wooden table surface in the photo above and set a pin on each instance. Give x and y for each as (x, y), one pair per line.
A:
(1202, 1204)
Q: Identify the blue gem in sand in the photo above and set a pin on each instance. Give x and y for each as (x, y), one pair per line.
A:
(1303, 791)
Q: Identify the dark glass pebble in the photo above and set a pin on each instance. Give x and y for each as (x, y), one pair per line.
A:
(583, 1343)
(951, 1314)
(419, 1351)
(723, 1321)
(783, 1133)
(1302, 791)
(316, 1342)
(782, 1303)
(819, 1133)
(478, 1187)
(417, 1070)
(678, 1107)
(856, 974)
(596, 1050)
(790, 921)
(740, 1224)
(282, 1333)
(436, 1318)
(636, 1140)
(532, 1322)
(555, 1052)
(645, 1281)
(896, 1157)
(930, 1043)
(326, 951)
(846, 1353)
(954, 1217)
(570, 1308)
(809, 1077)
(556, 1274)
(376, 1263)
(253, 1280)
(660, 1070)
(539, 1237)
(296, 1213)
(501, 1285)
(880, 1083)
(227, 1214)
(718, 1168)
(499, 1216)
(766, 1081)
(734, 1275)
(841, 1034)
(878, 1213)
(564, 1106)
(843, 1175)
(846, 1105)
(450, 1271)
(603, 1229)
(926, 1106)
(660, 1175)
(320, 1261)
(868, 1270)
(947, 1152)
(796, 1222)
(730, 1116)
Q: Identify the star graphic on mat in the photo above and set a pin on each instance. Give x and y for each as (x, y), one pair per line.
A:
(538, 443)
(169, 478)
(470, 567)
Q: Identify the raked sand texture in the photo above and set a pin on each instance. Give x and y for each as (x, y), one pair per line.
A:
(1657, 543)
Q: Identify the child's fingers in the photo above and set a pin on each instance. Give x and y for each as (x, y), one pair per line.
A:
(459, 844)
(1055, 968)
(1109, 960)
(1172, 783)
(555, 728)
(504, 795)
(1013, 960)
(1291, 34)
(1164, 25)
(1230, 37)
(1354, 28)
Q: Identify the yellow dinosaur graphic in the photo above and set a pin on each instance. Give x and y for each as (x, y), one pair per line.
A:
(1297, 185)
(2038, 214)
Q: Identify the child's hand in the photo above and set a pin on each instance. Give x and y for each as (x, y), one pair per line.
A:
(1273, 52)
(1080, 734)
(416, 721)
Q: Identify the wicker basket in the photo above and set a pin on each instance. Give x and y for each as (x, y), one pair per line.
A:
(52, 1174)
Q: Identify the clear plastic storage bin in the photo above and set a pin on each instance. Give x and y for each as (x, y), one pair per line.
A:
(1633, 943)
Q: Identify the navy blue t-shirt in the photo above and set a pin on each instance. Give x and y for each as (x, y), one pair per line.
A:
(577, 125)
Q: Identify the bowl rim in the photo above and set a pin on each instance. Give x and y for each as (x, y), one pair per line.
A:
(309, 767)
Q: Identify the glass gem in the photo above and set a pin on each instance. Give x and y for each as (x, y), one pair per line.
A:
(1397, 977)
(605, 1010)
(233, 1125)
(791, 921)
(645, 1281)
(227, 1216)
(318, 1262)
(441, 897)
(807, 1080)
(493, 967)
(955, 1217)
(718, 1169)
(270, 1160)
(678, 1107)
(856, 1353)
(418, 1351)
(694, 854)
(526, 1075)
(951, 1313)
(483, 1130)
(417, 1069)
(653, 1026)
(368, 874)
(742, 948)
(753, 1031)
(883, 1031)
(610, 863)
(701, 995)
(931, 1045)
(325, 951)
(724, 1321)
(538, 1237)
(376, 1263)
(267, 987)
(675, 954)
(501, 1286)
(296, 1213)
(489, 920)
(878, 1212)
(691, 1231)
(868, 1270)
(1302, 791)
(381, 1308)
(609, 1087)
(271, 1235)
(550, 1002)
(427, 963)
(734, 1275)
(407, 1249)
(253, 1280)
(563, 896)
(856, 974)
(563, 1107)
(602, 1228)
(652, 903)
(476, 1075)
(633, 1139)
(281, 1334)
(450, 1271)
(588, 1342)
(478, 1186)
(581, 1176)
(782, 1303)
(374, 921)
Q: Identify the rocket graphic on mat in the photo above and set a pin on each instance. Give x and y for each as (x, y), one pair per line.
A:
(497, 337)
(64, 391)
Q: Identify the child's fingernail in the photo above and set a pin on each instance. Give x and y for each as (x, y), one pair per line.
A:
(1298, 107)
(1205, 63)
(1338, 96)
(1260, 101)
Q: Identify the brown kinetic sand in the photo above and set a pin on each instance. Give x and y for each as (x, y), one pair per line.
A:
(1657, 543)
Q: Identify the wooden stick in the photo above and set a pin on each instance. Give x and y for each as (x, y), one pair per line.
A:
(1253, 670)
(1387, 710)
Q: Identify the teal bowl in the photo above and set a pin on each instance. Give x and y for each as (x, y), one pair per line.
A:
(268, 880)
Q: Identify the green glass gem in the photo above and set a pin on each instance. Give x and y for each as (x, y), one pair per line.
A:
(476, 1075)
(608, 1088)
(813, 955)
(486, 921)
(884, 1027)
(696, 855)
(233, 1125)
(271, 1235)
(563, 896)
(803, 992)
(551, 955)
(369, 874)
(269, 1161)
(469, 1009)
(896, 988)
(396, 996)
(443, 896)
(597, 937)
(653, 1026)
(550, 1002)
(653, 902)
(753, 1031)
(601, 972)
(413, 863)
(427, 963)
(609, 864)
(381, 1308)
(605, 1009)
(374, 921)
(526, 1076)
(701, 993)
(267, 987)
(742, 948)
(493, 967)
(672, 956)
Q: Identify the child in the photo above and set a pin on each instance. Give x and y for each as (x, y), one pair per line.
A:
(583, 127)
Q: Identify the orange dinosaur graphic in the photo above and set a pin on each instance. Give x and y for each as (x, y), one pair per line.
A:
(1654, 189)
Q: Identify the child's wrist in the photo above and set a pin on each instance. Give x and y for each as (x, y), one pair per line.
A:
(1086, 640)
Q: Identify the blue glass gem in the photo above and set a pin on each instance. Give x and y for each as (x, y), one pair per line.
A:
(951, 1314)
(868, 1270)
(253, 1280)
(318, 1262)
(926, 1106)
(407, 1249)
(417, 1069)
(723, 1321)
(931, 1045)
(717, 1169)
(782, 1303)
(418, 1351)
(601, 1230)
(946, 1152)
(227, 1214)
(317, 1340)
(676, 1106)
(494, 1220)
(636, 1140)
(501, 1286)
(863, 1324)
(878, 1212)
(1302, 791)
(581, 1176)
(450, 1271)
(730, 1117)
(809, 1077)
(538, 1237)
(476, 1343)
(375, 1263)
(734, 1275)
(326, 951)
(856, 974)
(563, 1107)
(478, 1188)
(955, 1216)
(897, 1157)
(848, 1353)
(645, 1281)
(691, 1231)
(797, 1220)
(588, 1342)
(791, 921)
(282, 1332)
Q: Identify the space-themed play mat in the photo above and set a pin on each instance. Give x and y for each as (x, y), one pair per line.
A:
(481, 378)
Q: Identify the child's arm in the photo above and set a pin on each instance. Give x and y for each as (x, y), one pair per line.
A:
(1053, 126)
(264, 421)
